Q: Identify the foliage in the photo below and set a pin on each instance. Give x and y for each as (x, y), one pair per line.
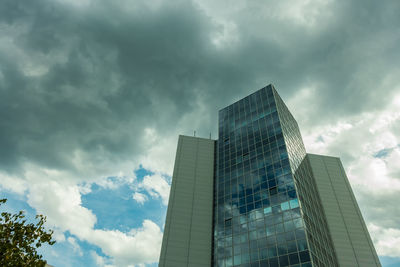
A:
(19, 240)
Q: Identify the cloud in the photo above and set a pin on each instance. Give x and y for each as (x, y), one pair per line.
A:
(140, 245)
(13, 183)
(86, 110)
(389, 242)
(156, 186)
(81, 90)
(111, 183)
(100, 261)
(77, 249)
(139, 197)
(62, 205)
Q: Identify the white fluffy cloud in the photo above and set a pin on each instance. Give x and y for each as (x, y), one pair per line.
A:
(386, 240)
(138, 246)
(156, 186)
(62, 205)
(13, 183)
(100, 261)
(139, 197)
(75, 246)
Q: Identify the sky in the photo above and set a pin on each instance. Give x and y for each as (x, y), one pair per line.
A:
(93, 96)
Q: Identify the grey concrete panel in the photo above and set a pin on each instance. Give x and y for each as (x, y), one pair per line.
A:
(350, 236)
(187, 239)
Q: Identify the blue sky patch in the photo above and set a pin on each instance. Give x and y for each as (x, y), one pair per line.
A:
(389, 261)
(383, 153)
(115, 209)
(142, 172)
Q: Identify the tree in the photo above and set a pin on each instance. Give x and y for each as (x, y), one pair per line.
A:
(19, 240)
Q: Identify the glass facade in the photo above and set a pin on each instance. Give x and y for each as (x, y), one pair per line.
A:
(257, 217)
(318, 236)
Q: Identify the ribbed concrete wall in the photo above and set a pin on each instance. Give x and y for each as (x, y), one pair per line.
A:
(187, 237)
(349, 233)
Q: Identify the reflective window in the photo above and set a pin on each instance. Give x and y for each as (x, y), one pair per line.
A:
(258, 214)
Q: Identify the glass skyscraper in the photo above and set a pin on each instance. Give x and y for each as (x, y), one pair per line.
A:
(255, 197)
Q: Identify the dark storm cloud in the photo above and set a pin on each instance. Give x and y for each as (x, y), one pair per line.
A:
(113, 68)
(350, 50)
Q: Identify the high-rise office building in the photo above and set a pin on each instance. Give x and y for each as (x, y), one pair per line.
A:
(254, 197)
